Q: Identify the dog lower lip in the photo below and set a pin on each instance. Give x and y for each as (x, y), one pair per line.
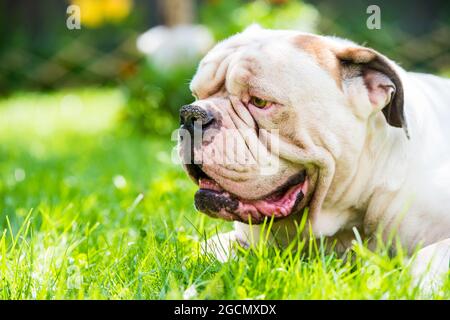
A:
(216, 202)
(210, 201)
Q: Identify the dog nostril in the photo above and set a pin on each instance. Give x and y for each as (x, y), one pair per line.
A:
(192, 114)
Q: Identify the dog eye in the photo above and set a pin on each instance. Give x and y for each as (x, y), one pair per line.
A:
(258, 102)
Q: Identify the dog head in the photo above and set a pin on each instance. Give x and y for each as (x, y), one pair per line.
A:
(280, 121)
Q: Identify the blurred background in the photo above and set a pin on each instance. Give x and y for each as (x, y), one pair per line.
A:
(148, 49)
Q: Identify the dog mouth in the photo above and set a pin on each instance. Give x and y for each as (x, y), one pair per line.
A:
(216, 202)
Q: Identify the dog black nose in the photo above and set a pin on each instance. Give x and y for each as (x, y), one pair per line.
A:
(191, 115)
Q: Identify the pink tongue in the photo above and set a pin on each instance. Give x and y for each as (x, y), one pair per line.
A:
(277, 206)
(268, 207)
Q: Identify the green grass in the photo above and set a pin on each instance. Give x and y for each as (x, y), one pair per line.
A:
(90, 210)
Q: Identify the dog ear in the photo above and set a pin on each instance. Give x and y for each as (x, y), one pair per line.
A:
(382, 81)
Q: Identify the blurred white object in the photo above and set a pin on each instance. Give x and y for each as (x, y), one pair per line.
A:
(170, 46)
(190, 293)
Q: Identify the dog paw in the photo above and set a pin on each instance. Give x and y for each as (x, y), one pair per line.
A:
(222, 246)
(430, 267)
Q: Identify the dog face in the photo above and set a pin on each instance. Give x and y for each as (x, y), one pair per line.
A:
(283, 119)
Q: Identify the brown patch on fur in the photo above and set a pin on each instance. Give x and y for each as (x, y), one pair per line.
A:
(357, 55)
(369, 60)
(284, 116)
(323, 52)
(343, 61)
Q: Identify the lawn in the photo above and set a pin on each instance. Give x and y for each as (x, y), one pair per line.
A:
(92, 210)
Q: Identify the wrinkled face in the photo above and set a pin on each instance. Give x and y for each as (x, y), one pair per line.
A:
(274, 127)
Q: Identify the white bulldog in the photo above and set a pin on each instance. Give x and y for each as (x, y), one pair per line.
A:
(346, 132)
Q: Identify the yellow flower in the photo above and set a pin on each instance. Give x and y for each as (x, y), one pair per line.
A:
(94, 13)
(116, 10)
(91, 12)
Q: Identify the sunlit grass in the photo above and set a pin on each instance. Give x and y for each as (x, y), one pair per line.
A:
(89, 211)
